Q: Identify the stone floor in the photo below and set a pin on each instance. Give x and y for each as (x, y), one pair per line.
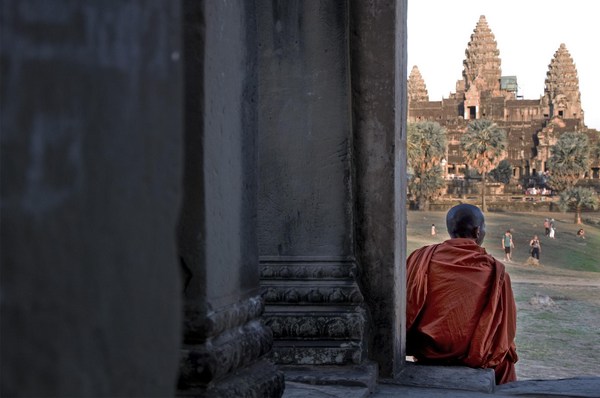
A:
(360, 383)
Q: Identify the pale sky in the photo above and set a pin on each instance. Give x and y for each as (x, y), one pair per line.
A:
(527, 32)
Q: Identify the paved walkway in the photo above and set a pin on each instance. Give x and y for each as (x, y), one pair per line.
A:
(579, 387)
(359, 383)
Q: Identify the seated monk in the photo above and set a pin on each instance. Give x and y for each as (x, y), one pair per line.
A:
(460, 304)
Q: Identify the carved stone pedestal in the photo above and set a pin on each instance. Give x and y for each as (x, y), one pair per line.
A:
(314, 307)
(223, 351)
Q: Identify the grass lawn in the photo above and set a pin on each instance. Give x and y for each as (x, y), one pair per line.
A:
(557, 340)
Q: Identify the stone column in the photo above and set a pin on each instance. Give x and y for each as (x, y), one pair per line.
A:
(306, 206)
(378, 63)
(224, 339)
(91, 164)
(332, 189)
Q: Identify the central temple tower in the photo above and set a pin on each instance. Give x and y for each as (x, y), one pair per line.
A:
(482, 60)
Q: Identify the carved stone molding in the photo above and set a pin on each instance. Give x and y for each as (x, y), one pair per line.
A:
(307, 267)
(314, 307)
(299, 294)
(287, 354)
(233, 349)
(316, 325)
(259, 380)
(200, 326)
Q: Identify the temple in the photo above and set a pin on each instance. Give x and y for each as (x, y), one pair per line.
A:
(532, 125)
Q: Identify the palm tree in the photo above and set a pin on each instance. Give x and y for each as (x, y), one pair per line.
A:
(484, 146)
(426, 147)
(578, 198)
(569, 160)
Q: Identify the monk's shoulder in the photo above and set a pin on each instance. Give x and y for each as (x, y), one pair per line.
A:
(419, 252)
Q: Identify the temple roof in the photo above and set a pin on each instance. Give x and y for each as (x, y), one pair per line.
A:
(482, 57)
(562, 75)
(417, 91)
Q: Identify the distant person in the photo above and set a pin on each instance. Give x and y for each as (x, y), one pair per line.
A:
(552, 233)
(581, 233)
(536, 247)
(546, 227)
(460, 304)
(433, 233)
(507, 245)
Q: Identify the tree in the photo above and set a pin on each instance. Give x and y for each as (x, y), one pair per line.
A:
(426, 147)
(502, 173)
(569, 160)
(484, 146)
(578, 198)
(595, 152)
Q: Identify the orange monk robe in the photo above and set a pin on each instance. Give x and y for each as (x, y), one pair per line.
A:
(460, 308)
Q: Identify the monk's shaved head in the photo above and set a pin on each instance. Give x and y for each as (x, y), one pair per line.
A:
(466, 221)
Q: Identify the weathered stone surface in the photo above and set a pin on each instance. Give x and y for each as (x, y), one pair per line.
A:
(200, 324)
(307, 268)
(301, 390)
(259, 380)
(309, 292)
(338, 325)
(224, 339)
(204, 363)
(317, 353)
(378, 60)
(447, 377)
(363, 375)
(305, 198)
(574, 387)
(91, 159)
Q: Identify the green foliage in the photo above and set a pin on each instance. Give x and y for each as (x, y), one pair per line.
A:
(426, 147)
(423, 186)
(503, 172)
(569, 160)
(484, 145)
(595, 152)
(578, 198)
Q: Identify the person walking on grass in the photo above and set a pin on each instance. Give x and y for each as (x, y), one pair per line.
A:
(552, 230)
(507, 245)
(536, 247)
(546, 227)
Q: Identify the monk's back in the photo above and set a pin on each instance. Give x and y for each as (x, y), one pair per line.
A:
(460, 308)
(460, 273)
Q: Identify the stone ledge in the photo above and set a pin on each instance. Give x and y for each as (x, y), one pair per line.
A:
(301, 390)
(574, 387)
(446, 377)
(363, 375)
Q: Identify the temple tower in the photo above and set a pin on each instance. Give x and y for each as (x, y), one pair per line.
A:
(481, 73)
(561, 93)
(417, 91)
(482, 59)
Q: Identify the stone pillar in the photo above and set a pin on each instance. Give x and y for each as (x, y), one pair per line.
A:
(91, 159)
(332, 188)
(378, 63)
(224, 339)
(306, 207)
